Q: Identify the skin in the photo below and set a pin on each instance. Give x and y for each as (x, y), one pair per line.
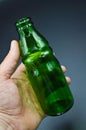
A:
(19, 107)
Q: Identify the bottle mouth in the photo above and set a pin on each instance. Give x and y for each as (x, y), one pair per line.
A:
(23, 22)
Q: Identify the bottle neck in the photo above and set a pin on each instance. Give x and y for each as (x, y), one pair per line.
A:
(30, 39)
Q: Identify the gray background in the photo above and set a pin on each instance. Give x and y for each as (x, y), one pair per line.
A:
(63, 23)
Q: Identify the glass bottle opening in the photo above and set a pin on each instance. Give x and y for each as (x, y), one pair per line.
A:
(23, 22)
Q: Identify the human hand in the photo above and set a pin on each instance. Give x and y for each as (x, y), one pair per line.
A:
(19, 107)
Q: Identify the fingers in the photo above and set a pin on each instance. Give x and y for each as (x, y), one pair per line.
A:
(67, 78)
(63, 68)
(10, 62)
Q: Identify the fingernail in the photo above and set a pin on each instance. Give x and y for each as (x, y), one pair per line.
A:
(12, 44)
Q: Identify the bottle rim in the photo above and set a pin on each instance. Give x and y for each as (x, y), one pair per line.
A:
(23, 21)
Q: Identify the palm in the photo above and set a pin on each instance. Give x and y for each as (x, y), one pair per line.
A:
(19, 101)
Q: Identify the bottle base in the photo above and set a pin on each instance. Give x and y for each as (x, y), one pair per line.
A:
(59, 108)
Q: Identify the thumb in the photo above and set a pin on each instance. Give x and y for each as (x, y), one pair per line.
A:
(10, 62)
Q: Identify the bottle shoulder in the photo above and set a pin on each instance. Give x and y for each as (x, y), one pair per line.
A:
(34, 56)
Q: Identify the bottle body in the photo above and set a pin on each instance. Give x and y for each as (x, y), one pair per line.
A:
(46, 76)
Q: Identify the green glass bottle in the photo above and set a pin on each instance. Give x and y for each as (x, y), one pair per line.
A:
(44, 70)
